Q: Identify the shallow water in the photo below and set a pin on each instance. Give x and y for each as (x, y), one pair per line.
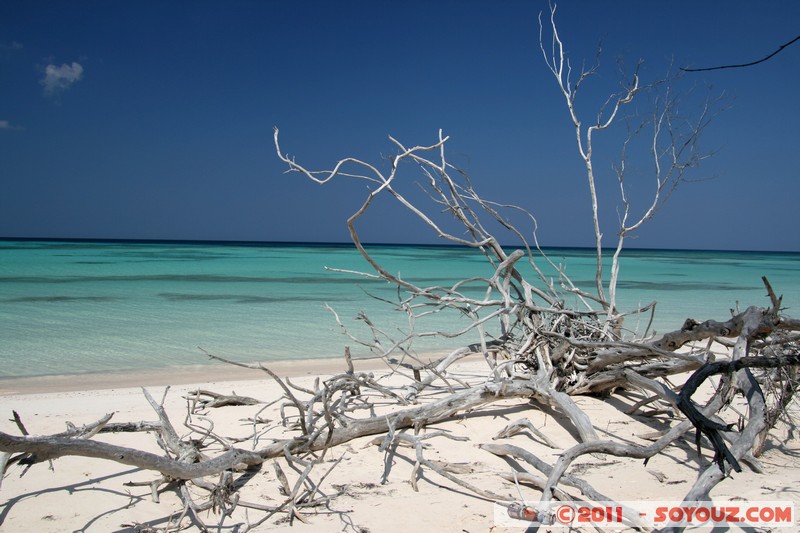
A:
(74, 307)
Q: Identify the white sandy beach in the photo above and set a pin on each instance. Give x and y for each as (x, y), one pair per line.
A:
(376, 494)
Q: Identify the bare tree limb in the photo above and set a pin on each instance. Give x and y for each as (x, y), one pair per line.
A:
(780, 49)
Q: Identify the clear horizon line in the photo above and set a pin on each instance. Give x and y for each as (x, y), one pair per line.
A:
(236, 242)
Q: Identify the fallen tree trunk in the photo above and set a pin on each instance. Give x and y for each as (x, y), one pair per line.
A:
(47, 448)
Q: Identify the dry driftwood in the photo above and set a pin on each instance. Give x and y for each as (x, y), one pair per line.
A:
(547, 354)
(329, 423)
(535, 345)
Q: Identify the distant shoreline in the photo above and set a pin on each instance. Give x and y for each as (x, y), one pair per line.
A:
(213, 372)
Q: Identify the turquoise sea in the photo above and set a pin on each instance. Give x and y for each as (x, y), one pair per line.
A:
(76, 307)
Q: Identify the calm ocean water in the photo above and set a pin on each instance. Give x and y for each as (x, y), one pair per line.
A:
(74, 307)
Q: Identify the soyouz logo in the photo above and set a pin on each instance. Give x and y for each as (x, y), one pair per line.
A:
(772, 514)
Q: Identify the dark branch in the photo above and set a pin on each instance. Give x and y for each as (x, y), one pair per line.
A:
(707, 426)
(741, 65)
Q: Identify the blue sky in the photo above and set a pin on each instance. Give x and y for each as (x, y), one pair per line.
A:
(153, 120)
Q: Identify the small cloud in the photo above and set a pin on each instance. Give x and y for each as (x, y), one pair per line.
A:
(6, 125)
(13, 46)
(61, 78)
